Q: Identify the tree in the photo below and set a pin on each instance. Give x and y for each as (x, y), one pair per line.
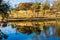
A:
(4, 8)
(36, 8)
(46, 6)
(24, 6)
(0, 1)
(57, 4)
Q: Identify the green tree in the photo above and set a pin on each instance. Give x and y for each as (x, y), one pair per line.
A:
(4, 8)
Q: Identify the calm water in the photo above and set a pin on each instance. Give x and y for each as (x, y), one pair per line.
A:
(11, 32)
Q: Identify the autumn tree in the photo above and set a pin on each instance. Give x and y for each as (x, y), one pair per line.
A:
(46, 6)
(24, 6)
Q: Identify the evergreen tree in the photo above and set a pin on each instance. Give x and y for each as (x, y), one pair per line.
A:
(4, 8)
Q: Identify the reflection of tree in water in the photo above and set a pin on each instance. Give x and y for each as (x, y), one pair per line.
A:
(58, 32)
(46, 33)
(29, 30)
(2, 35)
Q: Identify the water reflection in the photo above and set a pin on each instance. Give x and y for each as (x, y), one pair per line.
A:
(50, 34)
(2, 35)
(11, 32)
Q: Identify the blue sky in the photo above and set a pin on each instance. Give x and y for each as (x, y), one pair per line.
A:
(15, 2)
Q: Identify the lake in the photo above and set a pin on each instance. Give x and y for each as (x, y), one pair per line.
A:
(11, 32)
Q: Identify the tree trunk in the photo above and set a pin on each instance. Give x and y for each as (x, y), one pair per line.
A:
(44, 13)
